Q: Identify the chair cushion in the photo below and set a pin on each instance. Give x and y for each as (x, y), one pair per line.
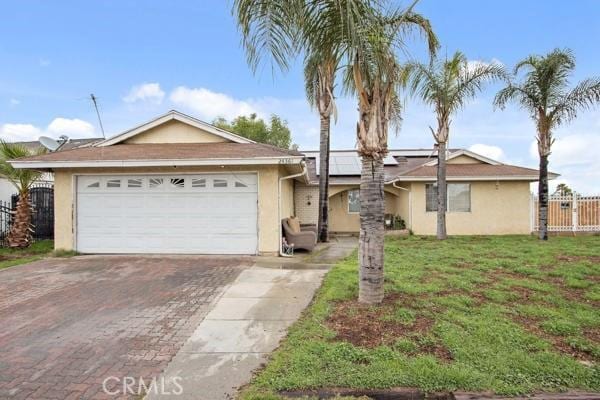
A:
(294, 224)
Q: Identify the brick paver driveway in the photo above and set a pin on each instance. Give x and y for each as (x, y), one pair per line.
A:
(68, 324)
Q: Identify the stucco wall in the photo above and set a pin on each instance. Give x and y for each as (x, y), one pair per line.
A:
(496, 209)
(340, 220)
(287, 196)
(175, 132)
(462, 159)
(268, 218)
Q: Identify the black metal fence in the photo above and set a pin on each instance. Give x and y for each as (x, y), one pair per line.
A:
(42, 217)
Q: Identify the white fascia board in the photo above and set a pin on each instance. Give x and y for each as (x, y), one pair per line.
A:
(174, 115)
(156, 163)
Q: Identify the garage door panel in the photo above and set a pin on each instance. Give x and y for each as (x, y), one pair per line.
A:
(167, 214)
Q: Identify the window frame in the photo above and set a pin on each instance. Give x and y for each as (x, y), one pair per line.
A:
(448, 208)
(348, 201)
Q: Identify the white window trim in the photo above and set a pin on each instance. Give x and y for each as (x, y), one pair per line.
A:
(348, 201)
(448, 199)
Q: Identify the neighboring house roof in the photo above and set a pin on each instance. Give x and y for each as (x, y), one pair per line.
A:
(68, 145)
(170, 154)
(174, 116)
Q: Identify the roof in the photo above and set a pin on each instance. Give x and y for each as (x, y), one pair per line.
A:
(161, 155)
(68, 145)
(473, 172)
(421, 165)
(174, 115)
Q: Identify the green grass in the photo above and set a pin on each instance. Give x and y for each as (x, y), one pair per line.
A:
(512, 314)
(37, 251)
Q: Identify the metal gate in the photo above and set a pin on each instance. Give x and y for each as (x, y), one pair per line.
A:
(42, 216)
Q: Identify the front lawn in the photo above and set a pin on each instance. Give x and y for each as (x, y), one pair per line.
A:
(507, 314)
(38, 250)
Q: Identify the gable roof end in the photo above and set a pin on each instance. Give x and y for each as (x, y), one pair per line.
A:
(174, 115)
(468, 153)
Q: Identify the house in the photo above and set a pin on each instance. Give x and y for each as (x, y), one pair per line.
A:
(485, 197)
(179, 185)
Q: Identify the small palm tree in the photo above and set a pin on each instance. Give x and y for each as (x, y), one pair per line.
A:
(447, 85)
(544, 92)
(22, 179)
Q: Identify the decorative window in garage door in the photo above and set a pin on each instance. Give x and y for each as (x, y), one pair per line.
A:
(233, 183)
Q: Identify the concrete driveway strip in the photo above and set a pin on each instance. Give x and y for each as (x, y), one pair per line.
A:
(237, 335)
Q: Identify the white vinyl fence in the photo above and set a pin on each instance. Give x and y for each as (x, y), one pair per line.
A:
(570, 213)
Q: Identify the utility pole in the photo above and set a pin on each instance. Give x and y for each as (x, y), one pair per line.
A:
(98, 114)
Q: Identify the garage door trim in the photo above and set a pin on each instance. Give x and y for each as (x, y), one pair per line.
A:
(75, 183)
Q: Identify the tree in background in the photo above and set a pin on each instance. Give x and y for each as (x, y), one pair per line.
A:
(562, 189)
(21, 229)
(447, 85)
(275, 133)
(544, 92)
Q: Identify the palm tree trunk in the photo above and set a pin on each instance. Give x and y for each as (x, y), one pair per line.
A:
(20, 231)
(372, 235)
(442, 192)
(543, 198)
(324, 178)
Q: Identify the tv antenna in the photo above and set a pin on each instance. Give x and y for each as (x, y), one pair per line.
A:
(94, 100)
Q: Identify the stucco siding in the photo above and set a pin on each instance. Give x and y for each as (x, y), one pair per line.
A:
(340, 220)
(287, 197)
(497, 208)
(462, 159)
(268, 180)
(175, 132)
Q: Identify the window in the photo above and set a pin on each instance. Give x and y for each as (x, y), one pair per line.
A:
(155, 182)
(220, 183)
(459, 197)
(113, 183)
(353, 201)
(198, 183)
(94, 185)
(178, 182)
(431, 197)
(240, 184)
(134, 183)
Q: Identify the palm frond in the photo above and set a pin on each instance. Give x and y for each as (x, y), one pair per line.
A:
(582, 97)
(22, 179)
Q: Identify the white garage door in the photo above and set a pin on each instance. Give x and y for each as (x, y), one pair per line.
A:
(197, 214)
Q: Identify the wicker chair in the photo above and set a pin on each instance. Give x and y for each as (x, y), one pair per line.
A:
(305, 239)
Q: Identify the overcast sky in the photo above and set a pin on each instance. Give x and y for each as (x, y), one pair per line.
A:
(142, 59)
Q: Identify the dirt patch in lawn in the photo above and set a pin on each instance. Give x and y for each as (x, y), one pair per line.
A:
(371, 326)
(565, 258)
(531, 325)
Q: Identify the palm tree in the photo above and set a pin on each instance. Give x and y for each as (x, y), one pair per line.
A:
(544, 92)
(447, 85)
(360, 36)
(375, 76)
(22, 179)
(282, 30)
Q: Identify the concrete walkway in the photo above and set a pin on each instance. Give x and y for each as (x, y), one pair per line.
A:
(246, 324)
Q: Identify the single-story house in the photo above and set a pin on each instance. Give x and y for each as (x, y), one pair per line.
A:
(179, 185)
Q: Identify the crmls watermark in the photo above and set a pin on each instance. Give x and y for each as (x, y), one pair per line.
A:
(114, 386)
